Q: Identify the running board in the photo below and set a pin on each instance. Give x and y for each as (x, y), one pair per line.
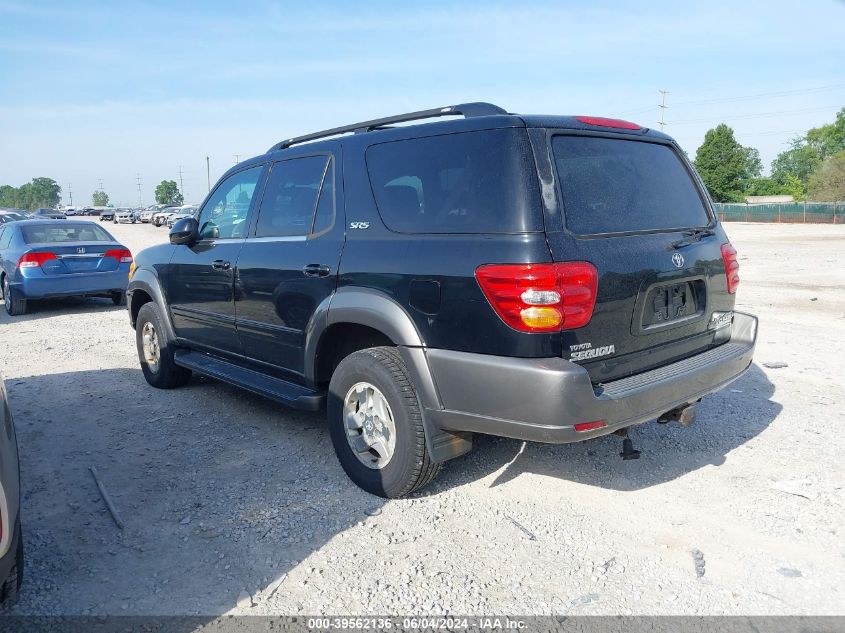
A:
(287, 393)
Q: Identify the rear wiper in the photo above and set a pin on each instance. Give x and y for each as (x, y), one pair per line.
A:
(692, 236)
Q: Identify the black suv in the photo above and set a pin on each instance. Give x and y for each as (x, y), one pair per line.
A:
(545, 278)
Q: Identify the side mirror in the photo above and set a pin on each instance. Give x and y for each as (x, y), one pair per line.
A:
(185, 231)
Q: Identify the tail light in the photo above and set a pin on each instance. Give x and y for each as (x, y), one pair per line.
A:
(34, 260)
(731, 267)
(540, 297)
(124, 256)
(603, 122)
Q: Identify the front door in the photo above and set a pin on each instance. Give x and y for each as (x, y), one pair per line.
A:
(288, 264)
(201, 277)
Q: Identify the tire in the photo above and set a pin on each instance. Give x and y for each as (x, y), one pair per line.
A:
(11, 585)
(15, 305)
(409, 468)
(165, 374)
(118, 298)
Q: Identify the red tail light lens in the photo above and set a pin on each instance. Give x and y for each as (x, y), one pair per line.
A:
(731, 267)
(34, 260)
(540, 297)
(603, 122)
(120, 254)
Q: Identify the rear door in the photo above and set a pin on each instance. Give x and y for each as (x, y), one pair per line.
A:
(201, 277)
(288, 265)
(636, 211)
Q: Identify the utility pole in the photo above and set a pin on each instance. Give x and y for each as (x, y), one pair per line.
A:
(237, 158)
(101, 184)
(662, 107)
(181, 185)
(208, 172)
(70, 194)
(138, 178)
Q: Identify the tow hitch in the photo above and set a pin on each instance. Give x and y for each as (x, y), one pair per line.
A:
(684, 415)
(628, 450)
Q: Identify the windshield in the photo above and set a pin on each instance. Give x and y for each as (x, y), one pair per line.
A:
(614, 185)
(41, 233)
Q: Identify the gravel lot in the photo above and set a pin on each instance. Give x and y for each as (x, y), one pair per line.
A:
(235, 504)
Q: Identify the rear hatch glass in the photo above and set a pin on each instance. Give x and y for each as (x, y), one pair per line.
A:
(611, 185)
(66, 232)
(628, 206)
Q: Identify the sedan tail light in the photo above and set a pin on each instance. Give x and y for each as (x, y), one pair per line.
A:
(124, 256)
(540, 297)
(34, 260)
(731, 267)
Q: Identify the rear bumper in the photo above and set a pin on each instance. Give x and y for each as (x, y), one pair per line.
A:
(542, 399)
(72, 285)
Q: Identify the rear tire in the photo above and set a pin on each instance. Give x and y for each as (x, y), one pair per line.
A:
(15, 305)
(155, 351)
(11, 585)
(409, 466)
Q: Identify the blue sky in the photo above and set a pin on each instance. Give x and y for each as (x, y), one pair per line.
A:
(95, 91)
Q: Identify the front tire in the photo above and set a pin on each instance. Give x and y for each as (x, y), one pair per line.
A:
(156, 352)
(375, 422)
(15, 305)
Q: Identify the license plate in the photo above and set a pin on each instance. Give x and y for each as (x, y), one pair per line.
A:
(666, 304)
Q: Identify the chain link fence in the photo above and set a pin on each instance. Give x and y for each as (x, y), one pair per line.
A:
(800, 212)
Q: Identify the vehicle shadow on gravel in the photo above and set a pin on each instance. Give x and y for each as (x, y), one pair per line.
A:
(47, 308)
(221, 493)
(725, 421)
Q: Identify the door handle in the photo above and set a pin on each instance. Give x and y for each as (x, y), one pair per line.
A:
(219, 264)
(317, 270)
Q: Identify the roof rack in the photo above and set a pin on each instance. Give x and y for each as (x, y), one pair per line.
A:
(467, 109)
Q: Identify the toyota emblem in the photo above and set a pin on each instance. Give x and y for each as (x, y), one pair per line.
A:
(678, 260)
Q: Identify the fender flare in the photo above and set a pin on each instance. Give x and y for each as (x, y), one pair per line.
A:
(146, 280)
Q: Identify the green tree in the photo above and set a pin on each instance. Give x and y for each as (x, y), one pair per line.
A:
(168, 193)
(765, 187)
(725, 166)
(827, 184)
(8, 196)
(100, 198)
(829, 139)
(796, 163)
(44, 192)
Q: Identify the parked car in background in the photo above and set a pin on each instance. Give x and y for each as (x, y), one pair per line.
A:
(106, 214)
(51, 214)
(11, 540)
(184, 212)
(146, 215)
(70, 211)
(124, 216)
(160, 217)
(89, 211)
(10, 215)
(41, 259)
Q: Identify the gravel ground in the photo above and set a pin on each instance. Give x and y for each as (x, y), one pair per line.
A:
(233, 504)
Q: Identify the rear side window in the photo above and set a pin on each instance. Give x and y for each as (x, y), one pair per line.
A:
(290, 197)
(472, 182)
(615, 185)
(64, 233)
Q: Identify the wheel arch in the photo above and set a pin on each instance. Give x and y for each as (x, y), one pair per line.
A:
(145, 287)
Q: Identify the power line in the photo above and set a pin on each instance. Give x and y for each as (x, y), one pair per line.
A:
(757, 115)
(662, 106)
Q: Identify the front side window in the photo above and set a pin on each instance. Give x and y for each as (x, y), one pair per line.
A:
(290, 197)
(224, 215)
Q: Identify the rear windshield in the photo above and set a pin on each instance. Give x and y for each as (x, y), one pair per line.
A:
(64, 232)
(472, 182)
(614, 185)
